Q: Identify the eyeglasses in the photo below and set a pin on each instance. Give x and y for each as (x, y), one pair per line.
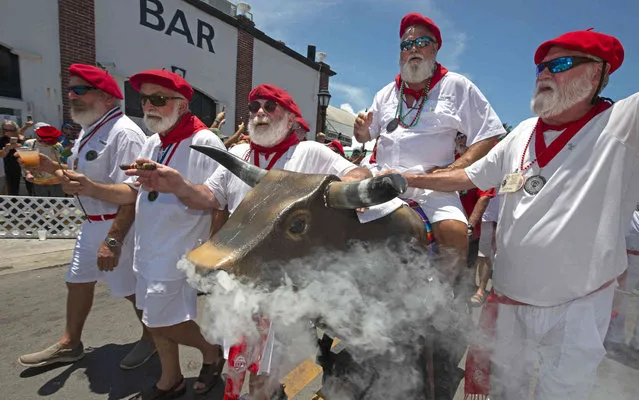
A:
(10, 130)
(420, 42)
(157, 100)
(269, 106)
(562, 64)
(81, 90)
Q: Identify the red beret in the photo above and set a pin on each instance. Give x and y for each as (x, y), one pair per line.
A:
(48, 134)
(336, 145)
(281, 96)
(303, 124)
(418, 19)
(597, 44)
(164, 78)
(97, 77)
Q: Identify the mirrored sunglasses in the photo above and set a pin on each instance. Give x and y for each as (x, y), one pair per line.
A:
(420, 42)
(269, 106)
(562, 64)
(157, 100)
(81, 90)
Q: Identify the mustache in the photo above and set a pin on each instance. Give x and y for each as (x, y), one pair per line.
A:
(262, 120)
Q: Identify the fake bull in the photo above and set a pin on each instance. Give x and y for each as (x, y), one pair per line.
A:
(288, 215)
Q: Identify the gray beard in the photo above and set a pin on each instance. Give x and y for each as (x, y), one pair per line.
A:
(269, 135)
(417, 72)
(550, 104)
(85, 118)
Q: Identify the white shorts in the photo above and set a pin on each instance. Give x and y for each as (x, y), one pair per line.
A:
(486, 240)
(165, 303)
(438, 206)
(84, 264)
(566, 340)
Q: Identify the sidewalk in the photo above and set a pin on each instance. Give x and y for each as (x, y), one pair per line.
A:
(19, 255)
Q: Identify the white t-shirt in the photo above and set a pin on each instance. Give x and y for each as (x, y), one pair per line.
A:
(568, 239)
(119, 141)
(166, 229)
(306, 157)
(454, 105)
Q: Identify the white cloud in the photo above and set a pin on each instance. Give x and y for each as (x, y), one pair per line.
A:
(357, 97)
(347, 107)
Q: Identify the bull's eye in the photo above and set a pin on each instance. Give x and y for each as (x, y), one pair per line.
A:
(298, 223)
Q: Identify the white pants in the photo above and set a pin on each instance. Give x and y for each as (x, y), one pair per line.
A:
(617, 331)
(165, 303)
(566, 341)
(84, 264)
(486, 248)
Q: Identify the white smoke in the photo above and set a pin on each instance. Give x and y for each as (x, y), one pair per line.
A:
(379, 300)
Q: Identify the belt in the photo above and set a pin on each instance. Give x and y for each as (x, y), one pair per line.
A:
(633, 252)
(104, 217)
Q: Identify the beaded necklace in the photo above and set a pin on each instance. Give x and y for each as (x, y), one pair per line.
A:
(400, 107)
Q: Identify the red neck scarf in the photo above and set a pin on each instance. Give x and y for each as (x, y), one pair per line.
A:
(439, 73)
(279, 150)
(186, 126)
(544, 153)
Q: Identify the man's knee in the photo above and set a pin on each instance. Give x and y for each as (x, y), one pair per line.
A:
(452, 233)
(81, 287)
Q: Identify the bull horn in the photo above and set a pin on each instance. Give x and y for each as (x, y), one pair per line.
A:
(366, 193)
(250, 174)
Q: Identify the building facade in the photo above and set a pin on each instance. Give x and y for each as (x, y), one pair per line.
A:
(222, 55)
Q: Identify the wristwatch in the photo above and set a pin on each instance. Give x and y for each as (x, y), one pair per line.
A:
(470, 228)
(111, 242)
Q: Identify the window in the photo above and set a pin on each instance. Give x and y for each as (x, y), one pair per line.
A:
(9, 74)
(201, 105)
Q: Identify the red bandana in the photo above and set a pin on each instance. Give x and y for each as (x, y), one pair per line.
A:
(188, 125)
(279, 150)
(439, 73)
(544, 153)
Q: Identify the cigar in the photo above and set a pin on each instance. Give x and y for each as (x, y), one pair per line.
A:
(144, 166)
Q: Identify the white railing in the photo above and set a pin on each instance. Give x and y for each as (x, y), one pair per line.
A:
(22, 217)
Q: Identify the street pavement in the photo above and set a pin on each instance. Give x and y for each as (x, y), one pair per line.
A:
(33, 314)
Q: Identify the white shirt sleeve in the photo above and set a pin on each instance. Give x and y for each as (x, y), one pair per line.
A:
(129, 146)
(488, 172)
(376, 125)
(217, 183)
(478, 119)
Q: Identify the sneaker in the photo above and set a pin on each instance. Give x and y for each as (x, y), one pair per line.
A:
(141, 353)
(51, 355)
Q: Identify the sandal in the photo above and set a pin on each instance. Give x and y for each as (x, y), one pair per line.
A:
(210, 375)
(477, 300)
(154, 393)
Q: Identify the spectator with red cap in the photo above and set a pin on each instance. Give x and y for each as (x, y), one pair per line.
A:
(273, 144)
(569, 179)
(415, 120)
(167, 302)
(103, 250)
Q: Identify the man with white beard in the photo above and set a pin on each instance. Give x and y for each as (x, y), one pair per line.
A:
(415, 120)
(274, 144)
(165, 230)
(103, 250)
(569, 185)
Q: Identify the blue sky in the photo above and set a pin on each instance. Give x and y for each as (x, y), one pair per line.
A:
(491, 42)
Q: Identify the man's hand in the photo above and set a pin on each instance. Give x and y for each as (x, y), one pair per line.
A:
(220, 116)
(388, 172)
(75, 183)
(108, 257)
(363, 123)
(163, 179)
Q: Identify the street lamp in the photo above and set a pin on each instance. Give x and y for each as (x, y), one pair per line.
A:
(324, 97)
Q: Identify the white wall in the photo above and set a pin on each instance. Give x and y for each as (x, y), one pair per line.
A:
(301, 81)
(30, 29)
(126, 47)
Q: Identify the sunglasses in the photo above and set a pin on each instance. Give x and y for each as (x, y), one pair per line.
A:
(269, 106)
(562, 64)
(420, 42)
(10, 130)
(157, 100)
(81, 90)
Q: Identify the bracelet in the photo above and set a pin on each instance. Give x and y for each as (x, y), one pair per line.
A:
(470, 227)
(217, 120)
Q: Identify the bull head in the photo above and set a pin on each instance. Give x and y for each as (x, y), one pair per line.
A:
(287, 215)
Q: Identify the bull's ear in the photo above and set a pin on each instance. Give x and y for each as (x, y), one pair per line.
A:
(366, 193)
(250, 174)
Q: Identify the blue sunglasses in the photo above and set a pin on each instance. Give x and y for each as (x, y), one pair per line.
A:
(420, 42)
(81, 90)
(562, 64)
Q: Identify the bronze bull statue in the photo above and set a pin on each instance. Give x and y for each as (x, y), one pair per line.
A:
(289, 215)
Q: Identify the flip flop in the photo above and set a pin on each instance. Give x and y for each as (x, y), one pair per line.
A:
(477, 300)
(154, 393)
(210, 375)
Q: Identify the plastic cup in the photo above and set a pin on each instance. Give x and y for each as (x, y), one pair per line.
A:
(42, 234)
(30, 158)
